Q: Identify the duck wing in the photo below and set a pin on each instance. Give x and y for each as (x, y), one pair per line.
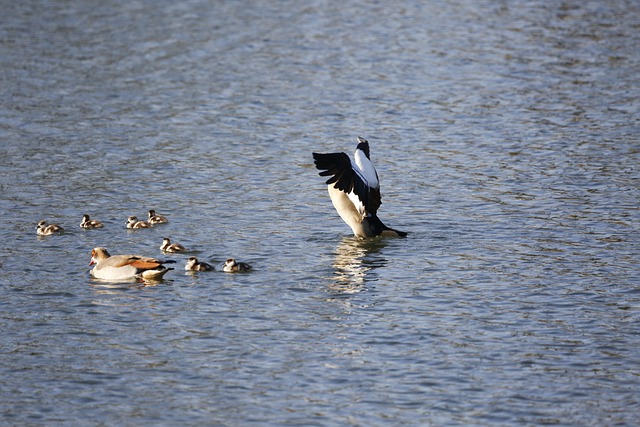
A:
(349, 179)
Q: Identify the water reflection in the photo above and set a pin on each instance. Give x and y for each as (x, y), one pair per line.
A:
(110, 287)
(354, 262)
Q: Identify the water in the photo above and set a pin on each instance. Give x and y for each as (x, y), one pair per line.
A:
(506, 138)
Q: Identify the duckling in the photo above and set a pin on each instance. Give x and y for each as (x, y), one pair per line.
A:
(87, 222)
(232, 266)
(132, 222)
(167, 246)
(44, 229)
(194, 265)
(155, 218)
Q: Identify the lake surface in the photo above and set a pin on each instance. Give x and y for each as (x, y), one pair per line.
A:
(505, 134)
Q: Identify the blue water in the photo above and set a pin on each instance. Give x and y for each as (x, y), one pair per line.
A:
(506, 139)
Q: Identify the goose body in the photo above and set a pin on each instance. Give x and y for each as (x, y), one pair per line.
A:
(44, 229)
(124, 267)
(354, 189)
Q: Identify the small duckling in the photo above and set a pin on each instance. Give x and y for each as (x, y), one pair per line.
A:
(167, 246)
(87, 222)
(132, 222)
(232, 266)
(194, 265)
(44, 229)
(155, 218)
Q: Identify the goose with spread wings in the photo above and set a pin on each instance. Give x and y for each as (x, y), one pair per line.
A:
(354, 189)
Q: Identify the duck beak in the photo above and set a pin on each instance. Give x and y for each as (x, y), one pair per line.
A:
(92, 262)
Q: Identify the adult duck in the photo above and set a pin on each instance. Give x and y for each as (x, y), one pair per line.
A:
(354, 189)
(124, 267)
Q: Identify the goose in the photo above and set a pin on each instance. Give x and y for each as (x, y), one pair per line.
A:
(44, 229)
(232, 266)
(123, 267)
(132, 222)
(155, 218)
(354, 188)
(87, 222)
(167, 246)
(194, 265)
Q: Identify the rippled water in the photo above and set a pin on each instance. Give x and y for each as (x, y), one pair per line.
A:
(506, 138)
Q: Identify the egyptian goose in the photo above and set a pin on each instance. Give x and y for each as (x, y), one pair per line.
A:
(194, 265)
(123, 267)
(354, 189)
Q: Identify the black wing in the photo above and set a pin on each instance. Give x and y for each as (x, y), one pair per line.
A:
(344, 178)
(338, 167)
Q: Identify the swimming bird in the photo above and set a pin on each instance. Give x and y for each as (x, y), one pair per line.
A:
(167, 246)
(123, 267)
(44, 229)
(132, 222)
(87, 222)
(232, 266)
(354, 189)
(155, 218)
(194, 265)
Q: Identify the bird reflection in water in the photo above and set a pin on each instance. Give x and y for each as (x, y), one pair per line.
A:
(353, 264)
(110, 287)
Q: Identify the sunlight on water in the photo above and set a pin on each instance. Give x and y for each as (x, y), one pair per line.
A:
(505, 139)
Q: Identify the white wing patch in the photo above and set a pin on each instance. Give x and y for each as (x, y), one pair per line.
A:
(365, 169)
(356, 177)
